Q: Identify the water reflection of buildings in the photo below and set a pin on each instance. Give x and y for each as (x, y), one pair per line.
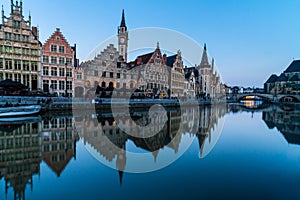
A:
(101, 132)
(20, 156)
(22, 148)
(286, 121)
(58, 143)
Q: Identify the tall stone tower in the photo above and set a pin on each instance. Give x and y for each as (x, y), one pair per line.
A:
(123, 38)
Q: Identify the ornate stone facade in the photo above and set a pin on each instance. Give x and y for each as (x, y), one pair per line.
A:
(20, 49)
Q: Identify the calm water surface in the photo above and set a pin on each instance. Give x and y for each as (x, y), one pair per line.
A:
(237, 152)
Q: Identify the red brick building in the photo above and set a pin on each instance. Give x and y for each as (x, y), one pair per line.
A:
(58, 64)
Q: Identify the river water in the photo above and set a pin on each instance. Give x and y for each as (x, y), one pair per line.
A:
(242, 151)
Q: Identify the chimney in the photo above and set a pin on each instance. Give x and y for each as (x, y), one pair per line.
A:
(35, 32)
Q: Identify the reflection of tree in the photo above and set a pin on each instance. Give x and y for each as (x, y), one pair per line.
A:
(287, 122)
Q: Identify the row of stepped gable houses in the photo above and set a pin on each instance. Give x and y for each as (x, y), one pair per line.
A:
(53, 67)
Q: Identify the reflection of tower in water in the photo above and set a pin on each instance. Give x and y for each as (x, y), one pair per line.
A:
(20, 158)
(102, 133)
(208, 122)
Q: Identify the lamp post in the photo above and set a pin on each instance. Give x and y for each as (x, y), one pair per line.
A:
(66, 66)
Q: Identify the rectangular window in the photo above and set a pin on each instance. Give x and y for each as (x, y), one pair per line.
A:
(18, 50)
(1, 63)
(34, 66)
(34, 52)
(69, 61)
(53, 71)
(104, 74)
(45, 59)
(118, 75)
(8, 49)
(9, 76)
(69, 85)
(45, 71)
(111, 74)
(96, 73)
(17, 24)
(17, 77)
(1, 48)
(8, 64)
(17, 64)
(25, 38)
(7, 36)
(79, 76)
(17, 37)
(61, 85)
(26, 65)
(53, 84)
(53, 48)
(69, 73)
(26, 51)
(53, 60)
(61, 72)
(61, 49)
(61, 60)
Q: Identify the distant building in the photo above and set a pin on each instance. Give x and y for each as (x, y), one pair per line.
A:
(154, 71)
(208, 82)
(59, 61)
(177, 79)
(20, 49)
(287, 83)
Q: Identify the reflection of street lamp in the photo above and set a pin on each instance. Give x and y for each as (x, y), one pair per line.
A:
(66, 94)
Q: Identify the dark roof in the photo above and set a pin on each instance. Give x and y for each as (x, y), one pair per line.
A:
(295, 78)
(171, 60)
(143, 59)
(188, 72)
(282, 78)
(273, 78)
(294, 67)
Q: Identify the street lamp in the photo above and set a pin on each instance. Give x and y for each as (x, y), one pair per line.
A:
(66, 66)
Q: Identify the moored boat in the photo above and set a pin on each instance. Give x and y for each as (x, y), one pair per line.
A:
(19, 111)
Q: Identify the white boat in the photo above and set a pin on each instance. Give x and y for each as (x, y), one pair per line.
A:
(19, 111)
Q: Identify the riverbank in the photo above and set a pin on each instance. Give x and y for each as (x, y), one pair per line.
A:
(63, 103)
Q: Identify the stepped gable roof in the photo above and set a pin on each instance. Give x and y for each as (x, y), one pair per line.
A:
(282, 78)
(58, 32)
(171, 60)
(273, 78)
(294, 67)
(295, 78)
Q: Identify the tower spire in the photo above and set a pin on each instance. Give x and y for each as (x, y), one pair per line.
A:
(204, 61)
(12, 6)
(123, 22)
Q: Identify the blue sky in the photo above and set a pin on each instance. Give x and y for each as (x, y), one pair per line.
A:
(249, 39)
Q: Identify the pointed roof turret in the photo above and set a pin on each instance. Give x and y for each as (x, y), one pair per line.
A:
(123, 23)
(204, 61)
(121, 176)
